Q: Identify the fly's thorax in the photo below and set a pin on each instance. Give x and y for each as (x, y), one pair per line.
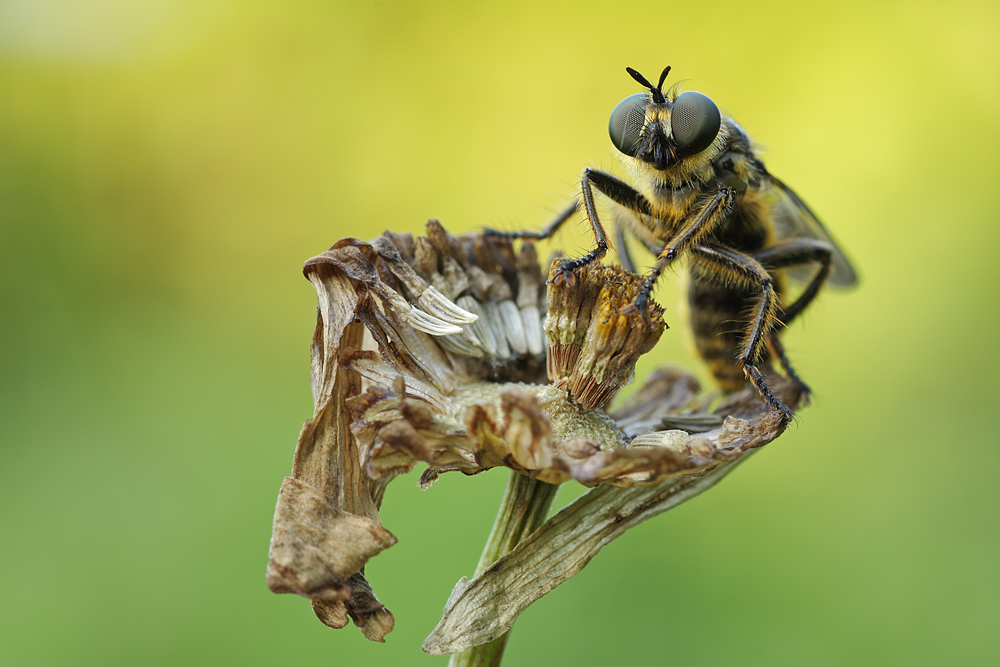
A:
(749, 228)
(671, 205)
(737, 166)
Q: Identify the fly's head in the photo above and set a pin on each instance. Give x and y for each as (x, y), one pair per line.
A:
(667, 136)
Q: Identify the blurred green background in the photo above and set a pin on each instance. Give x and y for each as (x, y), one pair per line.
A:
(166, 167)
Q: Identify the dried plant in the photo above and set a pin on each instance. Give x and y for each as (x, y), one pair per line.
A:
(457, 353)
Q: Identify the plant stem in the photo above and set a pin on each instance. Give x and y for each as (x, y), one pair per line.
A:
(524, 508)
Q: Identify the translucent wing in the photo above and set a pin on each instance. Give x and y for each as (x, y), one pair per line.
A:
(794, 219)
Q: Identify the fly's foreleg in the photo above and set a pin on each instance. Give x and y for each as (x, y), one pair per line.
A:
(617, 191)
(567, 270)
(698, 225)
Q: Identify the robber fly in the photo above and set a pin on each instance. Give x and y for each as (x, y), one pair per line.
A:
(698, 190)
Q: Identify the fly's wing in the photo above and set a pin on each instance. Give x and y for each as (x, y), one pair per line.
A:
(794, 219)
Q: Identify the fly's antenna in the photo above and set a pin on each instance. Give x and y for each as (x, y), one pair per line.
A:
(657, 91)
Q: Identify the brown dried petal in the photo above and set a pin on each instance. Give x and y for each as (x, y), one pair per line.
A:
(370, 615)
(355, 260)
(538, 432)
(326, 523)
(528, 433)
(316, 547)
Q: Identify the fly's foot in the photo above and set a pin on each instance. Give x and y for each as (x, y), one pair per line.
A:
(565, 274)
(757, 380)
(640, 305)
(781, 408)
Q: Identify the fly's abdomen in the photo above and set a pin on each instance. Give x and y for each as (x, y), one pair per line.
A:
(718, 322)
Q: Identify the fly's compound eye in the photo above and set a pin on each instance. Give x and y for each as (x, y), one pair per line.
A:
(626, 123)
(694, 122)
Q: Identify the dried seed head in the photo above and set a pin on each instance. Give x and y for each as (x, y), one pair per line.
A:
(593, 347)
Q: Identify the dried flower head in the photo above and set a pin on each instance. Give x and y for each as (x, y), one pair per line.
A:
(433, 350)
(593, 347)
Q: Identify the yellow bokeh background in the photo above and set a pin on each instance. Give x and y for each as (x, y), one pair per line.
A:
(166, 167)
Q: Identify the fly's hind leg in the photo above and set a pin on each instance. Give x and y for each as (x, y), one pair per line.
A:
(726, 265)
(777, 350)
(796, 252)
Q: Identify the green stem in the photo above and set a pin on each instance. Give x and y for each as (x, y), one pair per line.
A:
(524, 508)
